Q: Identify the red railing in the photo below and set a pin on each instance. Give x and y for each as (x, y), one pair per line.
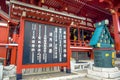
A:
(79, 43)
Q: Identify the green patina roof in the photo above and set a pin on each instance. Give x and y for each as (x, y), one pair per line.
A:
(101, 35)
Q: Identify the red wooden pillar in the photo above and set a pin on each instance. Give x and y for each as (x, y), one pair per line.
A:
(116, 30)
(68, 69)
(20, 50)
(91, 55)
(13, 55)
(14, 49)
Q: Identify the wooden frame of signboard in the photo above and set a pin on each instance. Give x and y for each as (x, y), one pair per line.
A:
(21, 66)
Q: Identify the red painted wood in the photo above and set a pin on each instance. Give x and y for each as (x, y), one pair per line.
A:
(3, 34)
(3, 53)
(20, 47)
(20, 66)
(116, 25)
(43, 65)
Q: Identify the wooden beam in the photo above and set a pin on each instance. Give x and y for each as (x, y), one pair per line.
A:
(65, 3)
(32, 2)
(110, 2)
(39, 3)
(23, 0)
(118, 14)
(63, 6)
(5, 17)
(117, 7)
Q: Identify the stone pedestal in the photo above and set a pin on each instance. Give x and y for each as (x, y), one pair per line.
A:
(104, 73)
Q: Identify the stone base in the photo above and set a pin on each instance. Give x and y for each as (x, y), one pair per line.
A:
(18, 76)
(104, 73)
(62, 70)
(68, 70)
(100, 78)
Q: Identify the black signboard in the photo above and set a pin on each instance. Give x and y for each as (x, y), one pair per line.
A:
(44, 43)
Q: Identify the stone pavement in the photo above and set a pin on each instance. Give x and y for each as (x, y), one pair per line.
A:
(80, 75)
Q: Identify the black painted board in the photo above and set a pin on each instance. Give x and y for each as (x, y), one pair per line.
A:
(60, 48)
(28, 45)
(50, 44)
(64, 51)
(42, 44)
(55, 48)
(34, 44)
(26, 50)
(37, 44)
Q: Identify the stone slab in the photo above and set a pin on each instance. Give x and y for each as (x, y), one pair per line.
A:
(98, 73)
(99, 78)
(102, 74)
(115, 69)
